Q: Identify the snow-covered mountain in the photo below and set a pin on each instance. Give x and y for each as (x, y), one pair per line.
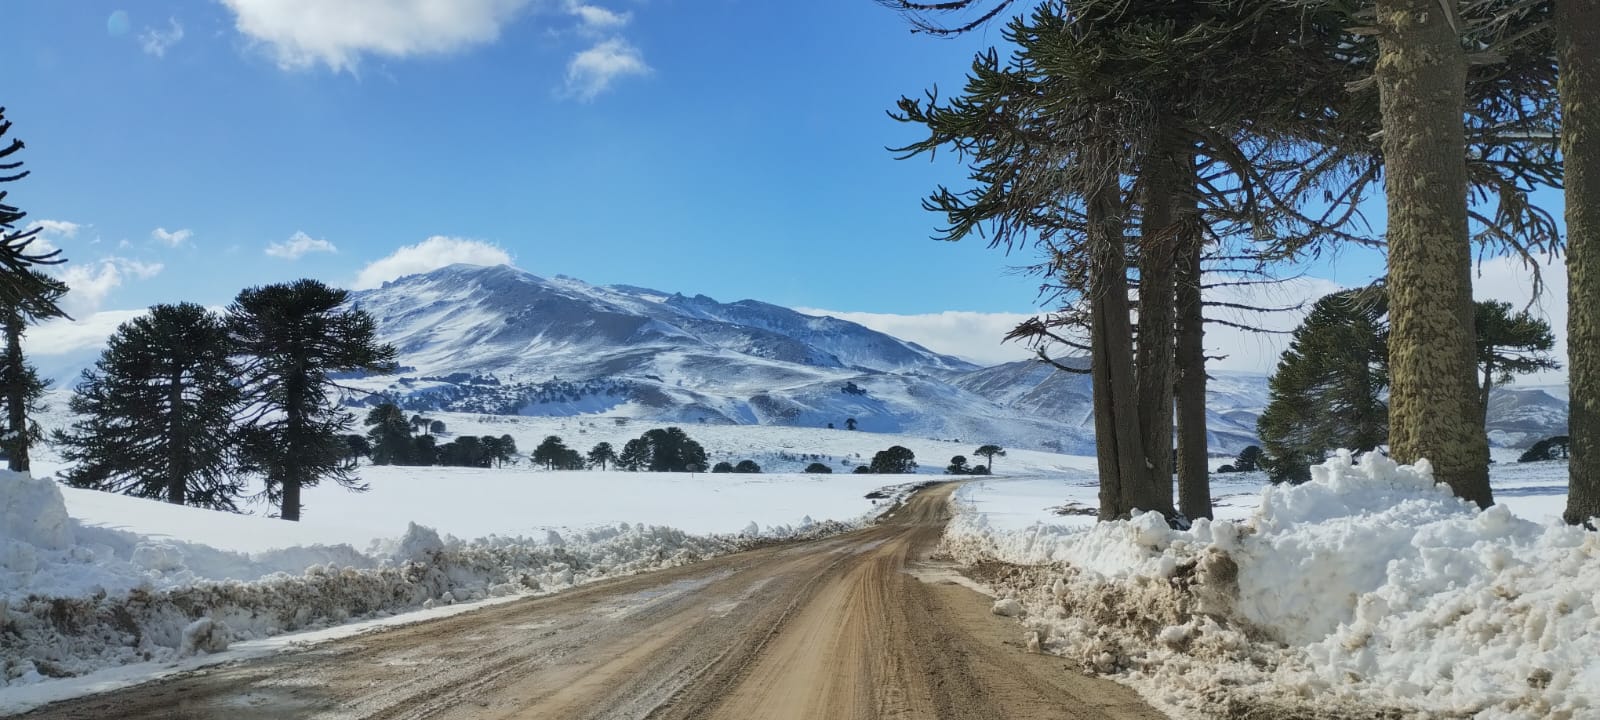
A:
(502, 340)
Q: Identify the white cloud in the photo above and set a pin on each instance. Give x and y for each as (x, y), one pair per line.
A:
(337, 33)
(592, 71)
(172, 238)
(595, 19)
(977, 336)
(431, 254)
(298, 245)
(51, 233)
(972, 336)
(156, 42)
(89, 283)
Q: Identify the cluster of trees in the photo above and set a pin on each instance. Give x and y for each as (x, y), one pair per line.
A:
(390, 442)
(1248, 460)
(743, 466)
(659, 450)
(186, 404)
(1154, 150)
(896, 460)
(958, 464)
(1327, 391)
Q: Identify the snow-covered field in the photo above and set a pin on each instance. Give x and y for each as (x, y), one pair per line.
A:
(1368, 587)
(90, 580)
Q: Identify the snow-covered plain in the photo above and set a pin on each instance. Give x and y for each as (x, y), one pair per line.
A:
(1367, 588)
(92, 580)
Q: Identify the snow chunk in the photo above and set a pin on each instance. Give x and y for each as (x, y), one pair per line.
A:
(204, 636)
(1007, 607)
(419, 544)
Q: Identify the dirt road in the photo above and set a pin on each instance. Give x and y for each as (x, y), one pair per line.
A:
(835, 629)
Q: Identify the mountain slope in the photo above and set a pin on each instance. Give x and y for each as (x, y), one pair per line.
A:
(501, 340)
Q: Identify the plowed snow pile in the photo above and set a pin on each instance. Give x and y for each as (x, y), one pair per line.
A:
(1368, 588)
(75, 598)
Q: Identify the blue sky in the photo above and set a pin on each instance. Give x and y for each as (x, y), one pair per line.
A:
(730, 148)
(185, 150)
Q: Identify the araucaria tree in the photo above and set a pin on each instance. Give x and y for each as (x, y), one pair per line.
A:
(291, 339)
(1578, 46)
(602, 454)
(390, 435)
(989, 452)
(1509, 344)
(1325, 393)
(156, 412)
(25, 296)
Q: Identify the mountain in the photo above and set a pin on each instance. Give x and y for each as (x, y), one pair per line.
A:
(1519, 417)
(502, 340)
(1233, 400)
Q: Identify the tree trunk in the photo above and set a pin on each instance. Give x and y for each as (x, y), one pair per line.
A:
(1194, 477)
(1433, 400)
(16, 393)
(1125, 481)
(177, 447)
(1578, 39)
(1154, 362)
(1483, 393)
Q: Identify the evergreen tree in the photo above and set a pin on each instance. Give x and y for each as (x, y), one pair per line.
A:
(601, 454)
(358, 446)
(155, 412)
(424, 450)
(722, 467)
(957, 466)
(748, 467)
(500, 449)
(1509, 344)
(1550, 448)
(849, 423)
(20, 385)
(672, 450)
(20, 285)
(292, 338)
(989, 452)
(390, 435)
(635, 455)
(1248, 460)
(550, 452)
(897, 460)
(817, 468)
(435, 427)
(1325, 391)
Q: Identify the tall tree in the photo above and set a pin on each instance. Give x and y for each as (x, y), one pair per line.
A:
(550, 452)
(20, 286)
(20, 385)
(156, 412)
(291, 338)
(635, 455)
(988, 453)
(1433, 408)
(390, 435)
(672, 450)
(1325, 393)
(1509, 344)
(601, 454)
(1578, 47)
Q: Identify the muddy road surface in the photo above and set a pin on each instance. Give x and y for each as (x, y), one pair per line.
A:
(854, 627)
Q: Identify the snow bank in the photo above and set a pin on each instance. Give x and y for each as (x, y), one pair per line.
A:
(75, 598)
(1368, 587)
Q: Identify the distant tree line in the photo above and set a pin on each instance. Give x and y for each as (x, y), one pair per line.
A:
(391, 441)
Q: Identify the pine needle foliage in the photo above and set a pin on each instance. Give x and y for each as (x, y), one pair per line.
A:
(155, 412)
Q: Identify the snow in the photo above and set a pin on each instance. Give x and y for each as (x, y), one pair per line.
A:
(1369, 587)
(90, 580)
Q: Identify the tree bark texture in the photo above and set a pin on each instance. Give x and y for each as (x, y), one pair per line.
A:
(1194, 477)
(1578, 48)
(1125, 482)
(1433, 411)
(1157, 315)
